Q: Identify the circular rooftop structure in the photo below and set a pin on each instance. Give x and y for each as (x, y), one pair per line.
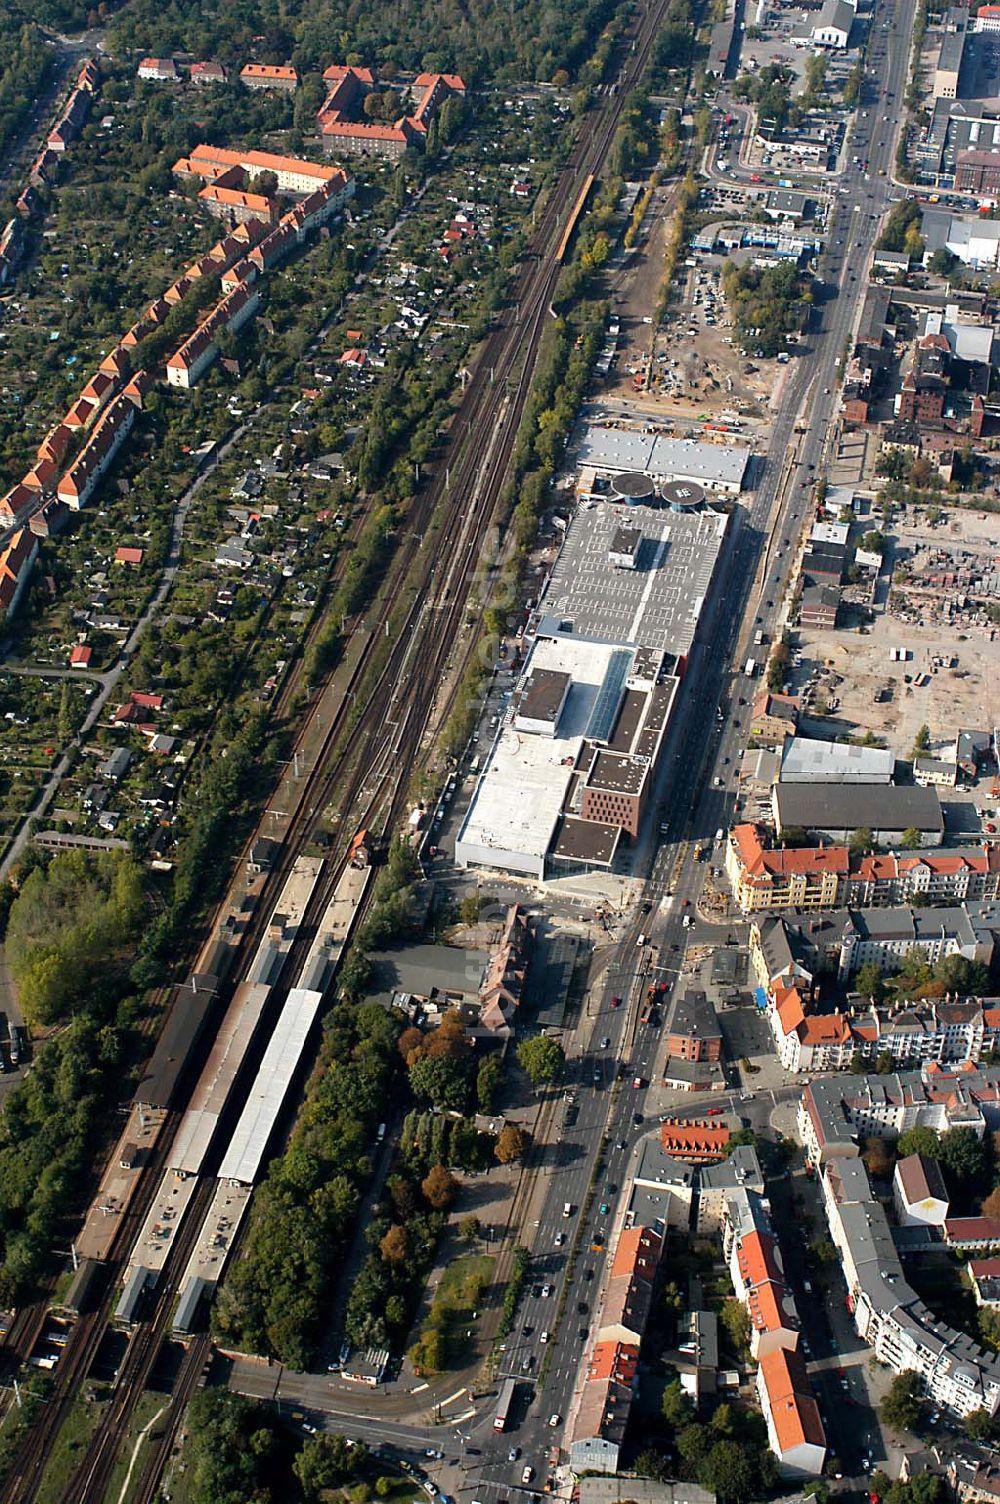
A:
(682, 495)
(634, 487)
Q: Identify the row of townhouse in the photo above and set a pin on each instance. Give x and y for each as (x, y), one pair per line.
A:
(752, 1251)
(240, 298)
(96, 425)
(787, 956)
(72, 118)
(609, 1386)
(888, 1314)
(766, 878)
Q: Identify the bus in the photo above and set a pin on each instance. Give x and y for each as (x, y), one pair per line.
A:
(504, 1404)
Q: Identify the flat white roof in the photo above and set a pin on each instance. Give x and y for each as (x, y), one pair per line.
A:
(618, 449)
(805, 758)
(830, 532)
(242, 1158)
(199, 1123)
(520, 794)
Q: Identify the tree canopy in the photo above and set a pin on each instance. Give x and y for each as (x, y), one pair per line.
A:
(541, 1058)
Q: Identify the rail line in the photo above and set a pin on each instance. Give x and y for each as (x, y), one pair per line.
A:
(365, 755)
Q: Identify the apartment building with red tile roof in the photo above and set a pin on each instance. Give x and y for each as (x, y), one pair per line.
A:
(821, 877)
(80, 481)
(343, 131)
(694, 1141)
(192, 358)
(100, 388)
(43, 475)
(972, 1234)
(141, 384)
(794, 1428)
(765, 878)
(757, 1273)
(293, 174)
(208, 73)
(602, 1416)
(16, 559)
(80, 414)
(235, 205)
(56, 444)
(269, 76)
(240, 271)
(161, 70)
(18, 500)
(116, 363)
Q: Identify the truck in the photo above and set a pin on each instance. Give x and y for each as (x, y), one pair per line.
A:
(751, 667)
(504, 1404)
(567, 1208)
(758, 638)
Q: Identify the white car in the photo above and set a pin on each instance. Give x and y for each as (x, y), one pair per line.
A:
(555, 1420)
(544, 1337)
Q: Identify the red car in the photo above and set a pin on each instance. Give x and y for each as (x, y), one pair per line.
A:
(713, 1112)
(616, 1002)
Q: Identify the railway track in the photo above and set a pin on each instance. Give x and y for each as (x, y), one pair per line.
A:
(369, 750)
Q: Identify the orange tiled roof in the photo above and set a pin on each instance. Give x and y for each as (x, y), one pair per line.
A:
(794, 1412)
(759, 861)
(825, 1028)
(617, 1361)
(638, 1252)
(687, 1140)
(279, 73)
(790, 1008)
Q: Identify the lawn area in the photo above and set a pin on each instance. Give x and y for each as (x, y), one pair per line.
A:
(458, 1295)
(78, 1427)
(148, 1406)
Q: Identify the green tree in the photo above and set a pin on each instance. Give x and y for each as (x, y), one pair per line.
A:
(542, 1059)
(861, 841)
(919, 1140)
(736, 1322)
(922, 741)
(652, 1464)
(489, 1078)
(728, 1471)
(870, 981)
(470, 1228)
(678, 1411)
(965, 1160)
(903, 1405)
(979, 1425)
(911, 839)
(470, 908)
(441, 1080)
(327, 1462)
(988, 1318)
